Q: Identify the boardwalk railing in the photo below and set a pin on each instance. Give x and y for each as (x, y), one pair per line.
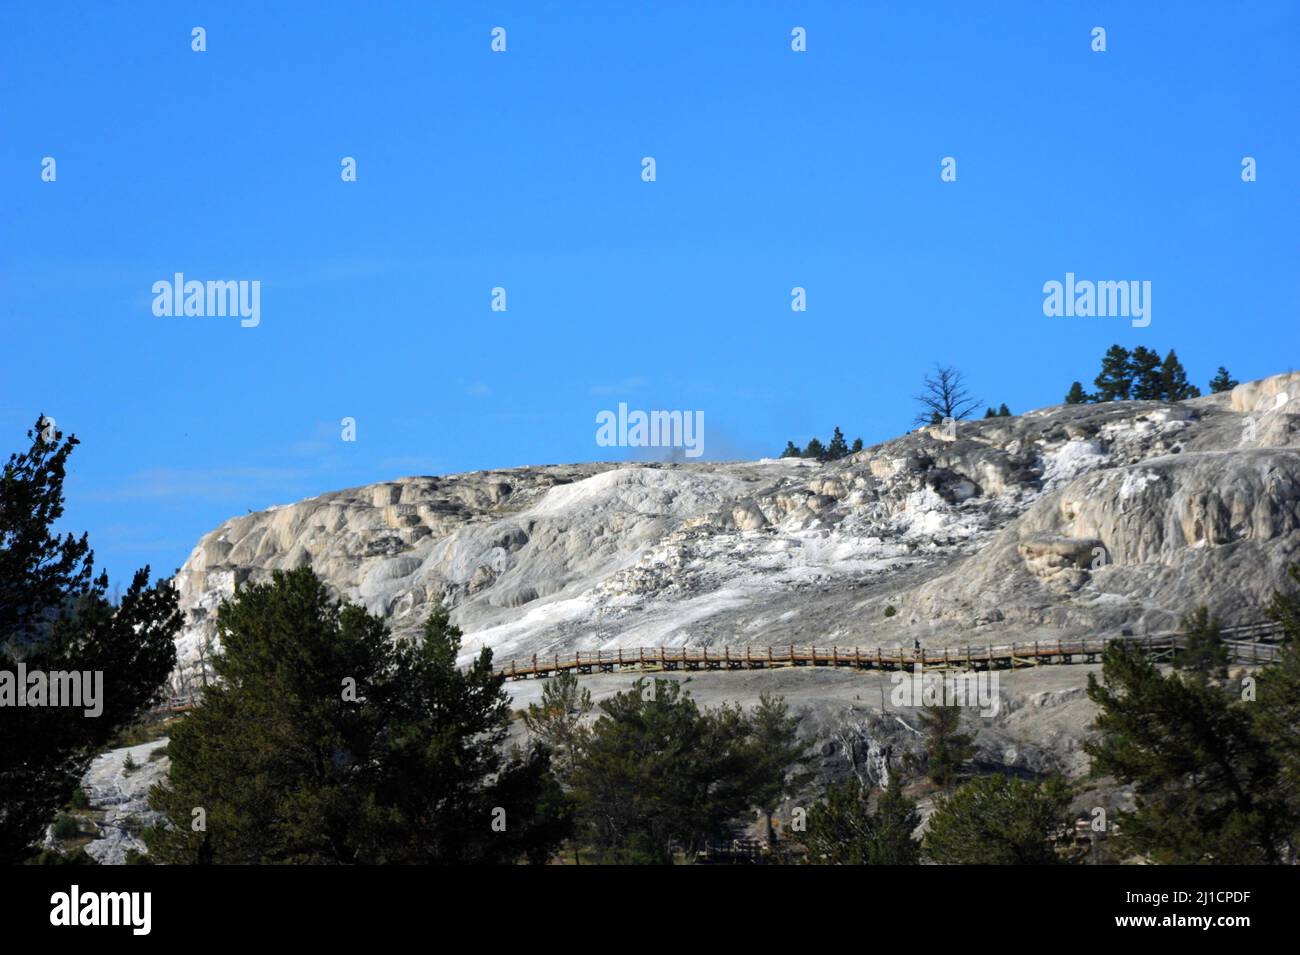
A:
(1254, 643)
(970, 656)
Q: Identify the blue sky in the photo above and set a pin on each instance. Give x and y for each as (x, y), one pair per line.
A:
(522, 169)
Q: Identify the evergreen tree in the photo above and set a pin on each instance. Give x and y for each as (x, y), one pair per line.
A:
(1204, 652)
(1277, 719)
(839, 827)
(815, 450)
(842, 829)
(792, 450)
(658, 773)
(947, 749)
(894, 822)
(837, 448)
(1174, 380)
(1116, 378)
(998, 820)
(775, 753)
(857, 446)
(56, 616)
(990, 413)
(557, 722)
(1285, 608)
(1004, 411)
(323, 740)
(1222, 381)
(1076, 395)
(1206, 780)
(1147, 375)
(1277, 712)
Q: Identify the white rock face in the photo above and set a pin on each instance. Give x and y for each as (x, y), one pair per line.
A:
(1077, 518)
(124, 798)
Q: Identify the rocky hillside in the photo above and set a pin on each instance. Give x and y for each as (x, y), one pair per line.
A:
(1068, 519)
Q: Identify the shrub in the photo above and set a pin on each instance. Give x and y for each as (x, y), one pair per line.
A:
(66, 827)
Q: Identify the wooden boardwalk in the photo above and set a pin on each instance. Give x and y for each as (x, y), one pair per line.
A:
(1247, 644)
(1255, 643)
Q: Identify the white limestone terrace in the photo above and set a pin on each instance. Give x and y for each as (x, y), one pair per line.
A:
(1074, 518)
(122, 794)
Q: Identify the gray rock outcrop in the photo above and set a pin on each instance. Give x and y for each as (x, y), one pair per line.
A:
(1075, 518)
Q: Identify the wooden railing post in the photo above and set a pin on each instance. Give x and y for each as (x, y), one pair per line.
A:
(1244, 651)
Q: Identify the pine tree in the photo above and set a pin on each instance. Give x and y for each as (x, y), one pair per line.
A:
(658, 772)
(775, 752)
(947, 749)
(1004, 411)
(990, 413)
(998, 820)
(1076, 395)
(1147, 374)
(1204, 652)
(1222, 381)
(55, 615)
(837, 448)
(792, 450)
(842, 829)
(1277, 713)
(1116, 379)
(857, 446)
(1206, 779)
(1284, 608)
(1174, 380)
(894, 822)
(557, 721)
(323, 740)
(815, 450)
(839, 827)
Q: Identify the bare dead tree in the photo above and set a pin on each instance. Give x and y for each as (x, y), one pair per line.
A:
(207, 647)
(945, 396)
